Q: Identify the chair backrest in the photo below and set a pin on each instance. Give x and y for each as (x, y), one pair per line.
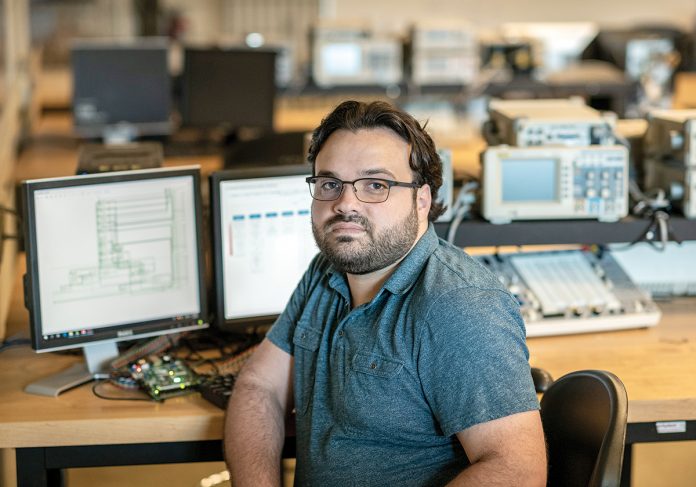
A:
(584, 414)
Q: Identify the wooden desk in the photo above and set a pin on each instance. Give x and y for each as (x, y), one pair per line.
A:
(76, 429)
(50, 434)
(657, 365)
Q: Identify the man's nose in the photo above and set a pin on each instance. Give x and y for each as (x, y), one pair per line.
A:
(348, 200)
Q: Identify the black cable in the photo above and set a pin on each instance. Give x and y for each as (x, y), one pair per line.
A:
(658, 228)
(101, 396)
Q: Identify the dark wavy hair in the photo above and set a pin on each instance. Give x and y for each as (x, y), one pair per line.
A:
(354, 115)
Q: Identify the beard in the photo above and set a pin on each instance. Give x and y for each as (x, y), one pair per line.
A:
(378, 250)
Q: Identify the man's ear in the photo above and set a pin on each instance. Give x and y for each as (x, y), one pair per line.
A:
(424, 199)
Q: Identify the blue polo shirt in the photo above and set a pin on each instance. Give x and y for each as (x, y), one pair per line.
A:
(382, 389)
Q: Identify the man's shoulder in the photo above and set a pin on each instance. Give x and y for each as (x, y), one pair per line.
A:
(450, 268)
(457, 294)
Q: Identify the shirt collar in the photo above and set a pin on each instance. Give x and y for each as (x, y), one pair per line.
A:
(406, 272)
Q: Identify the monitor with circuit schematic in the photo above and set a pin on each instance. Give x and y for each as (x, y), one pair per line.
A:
(262, 242)
(111, 257)
(228, 88)
(121, 90)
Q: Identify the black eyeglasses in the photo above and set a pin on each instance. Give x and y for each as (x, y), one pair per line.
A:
(367, 190)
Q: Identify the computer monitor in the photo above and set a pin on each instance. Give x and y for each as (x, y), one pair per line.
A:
(262, 242)
(110, 257)
(228, 88)
(121, 90)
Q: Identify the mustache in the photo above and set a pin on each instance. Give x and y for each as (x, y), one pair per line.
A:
(360, 220)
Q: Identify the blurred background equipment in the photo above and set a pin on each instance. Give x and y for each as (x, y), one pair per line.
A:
(354, 55)
(556, 45)
(443, 53)
(649, 57)
(664, 273)
(216, 86)
(121, 90)
(567, 122)
(96, 158)
(670, 157)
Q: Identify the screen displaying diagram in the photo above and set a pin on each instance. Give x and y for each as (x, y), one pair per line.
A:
(116, 253)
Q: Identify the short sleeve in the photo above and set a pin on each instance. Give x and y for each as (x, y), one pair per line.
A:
(473, 359)
(283, 329)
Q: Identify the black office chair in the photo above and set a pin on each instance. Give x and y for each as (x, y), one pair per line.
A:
(584, 415)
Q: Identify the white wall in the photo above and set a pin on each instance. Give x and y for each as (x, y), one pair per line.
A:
(488, 13)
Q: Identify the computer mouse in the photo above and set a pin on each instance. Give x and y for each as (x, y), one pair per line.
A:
(542, 379)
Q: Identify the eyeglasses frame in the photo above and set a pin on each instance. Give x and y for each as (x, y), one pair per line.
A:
(389, 182)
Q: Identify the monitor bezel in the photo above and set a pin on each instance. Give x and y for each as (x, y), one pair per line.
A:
(117, 332)
(252, 323)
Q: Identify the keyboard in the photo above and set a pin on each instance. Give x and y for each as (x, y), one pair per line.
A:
(217, 389)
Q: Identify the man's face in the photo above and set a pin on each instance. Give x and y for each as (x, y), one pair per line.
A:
(358, 237)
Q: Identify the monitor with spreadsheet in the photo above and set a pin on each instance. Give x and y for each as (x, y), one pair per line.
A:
(262, 242)
(111, 257)
(121, 88)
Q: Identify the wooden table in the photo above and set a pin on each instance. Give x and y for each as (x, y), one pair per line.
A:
(76, 429)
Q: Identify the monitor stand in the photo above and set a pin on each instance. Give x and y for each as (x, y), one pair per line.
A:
(120, 133)
(96, 366)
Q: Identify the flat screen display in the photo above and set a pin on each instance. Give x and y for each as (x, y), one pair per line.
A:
(117, 83)
(263, 240)
(232, 88)
(341, 59)
(529, 180)
(114, 257)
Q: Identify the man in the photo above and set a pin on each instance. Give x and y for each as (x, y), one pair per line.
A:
(404, 359)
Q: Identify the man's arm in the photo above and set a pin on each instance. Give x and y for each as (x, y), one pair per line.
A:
(255, 421)
(506, 451)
